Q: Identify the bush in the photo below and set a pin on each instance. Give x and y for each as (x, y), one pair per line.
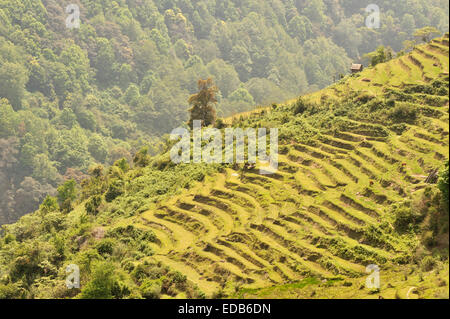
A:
(122, 164)
(142, 159)
(151, 289)
(11, 291)
(114, 190)
(139, 273)
(299, 107)
(428, 263)
(105, 247)
(443, 184)
(220, 123)
(93, 204)
(405, 218)
(178, 277)
(102, 283)
(404, 113)
(66, 195)
(399, 128)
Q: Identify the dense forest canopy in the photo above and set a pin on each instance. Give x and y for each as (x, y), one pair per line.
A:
(72, 97)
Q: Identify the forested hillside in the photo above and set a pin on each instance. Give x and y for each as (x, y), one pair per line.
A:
(362, 180)
(74, 97)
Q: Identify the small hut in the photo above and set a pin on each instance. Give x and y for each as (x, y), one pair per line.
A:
(356, 68)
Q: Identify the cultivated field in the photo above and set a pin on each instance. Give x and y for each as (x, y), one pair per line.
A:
(311, 229)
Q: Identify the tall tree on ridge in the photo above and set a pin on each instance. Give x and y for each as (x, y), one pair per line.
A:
(202, 103)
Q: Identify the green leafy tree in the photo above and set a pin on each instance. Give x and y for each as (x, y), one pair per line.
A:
(443, 184)
(50, 204)
(8, 119)
(67, 193)
(105, 61)
(13, 78)
(102, 283)
(241, 94)
(224, 75)
(381, 55)
(315, 10)
(98, 148)
(202, 103)
(142, 159)
(242, 62)
(93, 204)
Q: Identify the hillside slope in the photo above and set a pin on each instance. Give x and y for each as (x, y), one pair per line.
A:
(71, 97)
(354, 187)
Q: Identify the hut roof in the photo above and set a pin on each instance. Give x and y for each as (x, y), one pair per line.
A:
(356, 66)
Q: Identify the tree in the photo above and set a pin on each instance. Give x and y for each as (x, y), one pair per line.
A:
(44, 170)
(70, 149)
(102, 283)
(93, 204)
(8, 119)
(443, 184)
(125, 75)
(408, 23)
(202, 103)
(67, 118)
(224, 75)
(50, 204)
(242, 95)
(142, 159)
(314, 10)
(182, 50)
(13, 78)
(66, 194)
(97, 147)
(381, 55)
(300, 27)
(426, 33)
(105, 62)
(242, 62)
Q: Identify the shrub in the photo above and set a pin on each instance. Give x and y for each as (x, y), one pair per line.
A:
(11, 291)
(139, 273)
(119, 289)
(101, 284)
(428, 263)
(178, 277)
(151, 289)
(50, 204)
(93, 204)
(105, 247)
(404, 113)
(299, 107)
(142, 159)
(429, 239)
(443, 184)
(404, 218)
(220, 123)
(67, 194)
(122, 164)
(399, 128)
(115, 189)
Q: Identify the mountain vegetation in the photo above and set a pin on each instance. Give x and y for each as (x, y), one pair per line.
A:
(71, 98)
(362, 180)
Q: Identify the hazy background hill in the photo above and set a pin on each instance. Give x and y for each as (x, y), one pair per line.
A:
(71, 98)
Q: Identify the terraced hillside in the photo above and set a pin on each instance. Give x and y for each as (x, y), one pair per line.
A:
(319, 216)
(350, 155)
